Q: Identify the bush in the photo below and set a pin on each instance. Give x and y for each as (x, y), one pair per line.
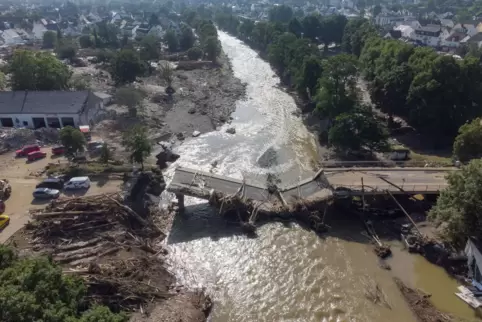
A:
(85, 41)
(194, 53)
(34, 289)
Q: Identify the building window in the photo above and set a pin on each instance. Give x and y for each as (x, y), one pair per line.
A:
(25, 123)
(53, 122)
(6, 122)
(68, 121)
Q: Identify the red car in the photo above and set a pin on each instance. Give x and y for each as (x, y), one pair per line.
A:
(35, 155)
(27, 149)
(58, 150)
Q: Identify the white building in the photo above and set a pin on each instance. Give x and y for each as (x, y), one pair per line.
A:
(35, 109)
(428, 35)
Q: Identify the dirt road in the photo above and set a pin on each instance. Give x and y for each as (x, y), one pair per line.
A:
(23, 179)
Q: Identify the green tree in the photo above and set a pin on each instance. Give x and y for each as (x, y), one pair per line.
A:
(127, 66)
(167, 74)
(332, 28)
(468, 144)
(3, 81)
(311, 27)
(308, 76)
(377, 10)
(105, 154)
(34, 289)
(130, 97)
(154, 20)
(86, 41)
(150, 48)
(72, 139)
(194, 53)
(280, 13)
(337, 92)
(356, 131)
(295, 27)
(212, 48)
(50, 39)
(137, 143)
(187, 39)
(458, 207)
(37, 71)
(66, 51)
(171, 40)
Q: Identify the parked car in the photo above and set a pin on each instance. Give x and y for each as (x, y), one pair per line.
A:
(78, 183)
(45, 193)
(94, 145)
(27, 149)
(58, 150)
(35, 155)
(4, 221)
(51, 183)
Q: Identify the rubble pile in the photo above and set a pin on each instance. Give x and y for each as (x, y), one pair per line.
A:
(113, 248)
(15, 138)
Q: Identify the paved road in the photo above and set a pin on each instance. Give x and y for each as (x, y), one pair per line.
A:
(417, 180)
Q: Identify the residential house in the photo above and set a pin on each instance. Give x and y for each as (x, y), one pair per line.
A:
(38, 31)
(452, 40)
(10, 37)
(156, 31)
(407, 31)
(428, 35)
(35, 109)
(447, 23)
(129, 31)
(475, 39)
(473, 252)
(469, 27)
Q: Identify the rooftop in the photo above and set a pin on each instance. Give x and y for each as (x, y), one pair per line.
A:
(430, 28)
(41, 102)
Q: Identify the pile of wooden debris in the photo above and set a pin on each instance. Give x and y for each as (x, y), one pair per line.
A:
(114, 249)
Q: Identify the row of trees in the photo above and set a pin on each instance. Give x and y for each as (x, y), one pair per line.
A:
(434, 93)
(292, 49)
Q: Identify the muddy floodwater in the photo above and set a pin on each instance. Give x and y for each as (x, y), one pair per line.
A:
(286, 273)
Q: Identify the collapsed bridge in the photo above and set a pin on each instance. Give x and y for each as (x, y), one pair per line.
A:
(326, 184)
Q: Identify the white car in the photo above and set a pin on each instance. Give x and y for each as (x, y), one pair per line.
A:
(78, 183)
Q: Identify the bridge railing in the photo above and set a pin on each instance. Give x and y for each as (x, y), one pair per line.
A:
(383, 164)
(419, 188)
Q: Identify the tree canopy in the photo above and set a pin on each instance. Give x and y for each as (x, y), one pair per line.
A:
(72, 139)
(137, 143)
(468, 144)
(280, 13)
(458, 206)
(171, 40)
(357, 131)
(37, 71)
(127, 66)
(34, 289)
(50, 39)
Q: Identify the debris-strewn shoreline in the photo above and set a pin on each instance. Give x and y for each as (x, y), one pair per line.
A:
(114, 243)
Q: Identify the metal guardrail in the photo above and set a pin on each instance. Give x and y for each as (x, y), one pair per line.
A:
(407, 188)
(387, 163)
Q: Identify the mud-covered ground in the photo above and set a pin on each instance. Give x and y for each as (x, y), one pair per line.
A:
(204, 99)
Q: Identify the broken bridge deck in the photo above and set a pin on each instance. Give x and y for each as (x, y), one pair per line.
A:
(322, 186)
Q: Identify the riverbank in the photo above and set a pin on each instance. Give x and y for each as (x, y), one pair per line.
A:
(204, 99)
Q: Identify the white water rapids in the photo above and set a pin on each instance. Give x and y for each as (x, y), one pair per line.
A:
(287, 273)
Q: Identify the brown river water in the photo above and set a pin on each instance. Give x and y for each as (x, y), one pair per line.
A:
(286, 273)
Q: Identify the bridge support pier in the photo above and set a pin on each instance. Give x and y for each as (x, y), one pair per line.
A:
(180, 201)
